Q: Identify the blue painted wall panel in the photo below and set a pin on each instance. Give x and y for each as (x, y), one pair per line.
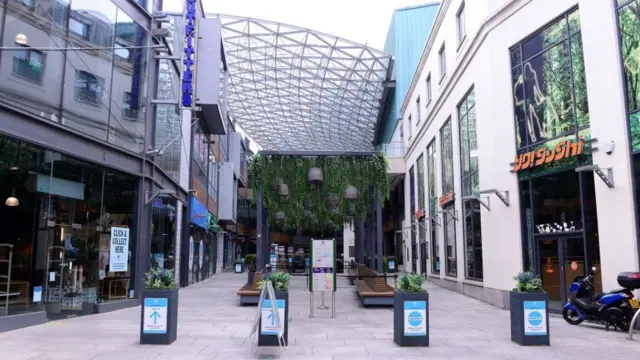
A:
(406, 38)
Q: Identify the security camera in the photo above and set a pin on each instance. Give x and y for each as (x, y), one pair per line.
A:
(608, 147)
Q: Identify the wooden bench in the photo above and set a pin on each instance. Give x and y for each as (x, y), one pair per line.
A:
(249, 293)
(373, 290)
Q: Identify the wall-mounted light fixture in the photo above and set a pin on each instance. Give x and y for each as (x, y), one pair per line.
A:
(21, 39)
(12, 200)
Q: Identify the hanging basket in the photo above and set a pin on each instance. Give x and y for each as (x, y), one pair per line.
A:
(283, 190)
(351, 192)
(314, 176)
(275, 183)
(331, 201)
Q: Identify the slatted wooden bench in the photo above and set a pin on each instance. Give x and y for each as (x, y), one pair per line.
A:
(373, 290)
(249, 293)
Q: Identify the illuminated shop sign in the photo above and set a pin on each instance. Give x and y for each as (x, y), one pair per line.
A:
(564, 150)
(446, 198)
(189, 53)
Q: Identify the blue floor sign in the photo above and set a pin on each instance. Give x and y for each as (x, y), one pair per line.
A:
(535, 318)
(155, 316)
(268, 320)
(415, 318)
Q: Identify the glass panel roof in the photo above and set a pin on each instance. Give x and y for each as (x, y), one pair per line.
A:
(294, 89)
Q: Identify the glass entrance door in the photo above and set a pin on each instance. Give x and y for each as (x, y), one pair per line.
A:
(560, 260)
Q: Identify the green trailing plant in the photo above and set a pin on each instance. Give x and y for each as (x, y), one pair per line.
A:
(159, 279)
(528, 282)
(308, 207)
(411, 283)
(279, 280)
(239, 261)
(250, 262)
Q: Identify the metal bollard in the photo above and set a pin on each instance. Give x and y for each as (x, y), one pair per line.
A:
(635, 319)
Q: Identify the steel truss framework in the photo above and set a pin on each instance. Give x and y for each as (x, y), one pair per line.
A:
(294, 89)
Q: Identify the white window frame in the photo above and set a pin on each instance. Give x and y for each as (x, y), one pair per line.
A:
(418, 110)
(428, 81)
(461, 23)
(442, 56)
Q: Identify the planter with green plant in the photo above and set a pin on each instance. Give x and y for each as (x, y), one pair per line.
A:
(239, 266)
(411, 312)
(529, 305)
(267, 335)
(250, 265)
(159, 318)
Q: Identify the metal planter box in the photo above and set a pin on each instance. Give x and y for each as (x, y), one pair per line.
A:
(266, 333)
(529, 318)
(159, 318)
(411, 319)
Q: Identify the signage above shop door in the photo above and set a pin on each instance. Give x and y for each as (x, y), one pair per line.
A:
(544, 155)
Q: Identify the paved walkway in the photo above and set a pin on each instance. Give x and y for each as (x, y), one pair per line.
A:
(213, 325)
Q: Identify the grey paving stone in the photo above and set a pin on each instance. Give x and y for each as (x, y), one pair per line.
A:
(212, 325)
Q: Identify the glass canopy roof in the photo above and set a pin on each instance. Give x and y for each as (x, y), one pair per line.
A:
(294, 89)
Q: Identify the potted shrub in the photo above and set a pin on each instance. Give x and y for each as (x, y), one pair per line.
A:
(267, 335)
(159, 318)
(250, 265)
(239, 266)
(411, 312)
(528, 306)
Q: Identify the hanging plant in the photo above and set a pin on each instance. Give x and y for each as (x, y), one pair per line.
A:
(283, 190)
(280, 216)
(332, 201)
(311, 210)
(351, 192)
(275, 183)
(351, 208)
(314, 176)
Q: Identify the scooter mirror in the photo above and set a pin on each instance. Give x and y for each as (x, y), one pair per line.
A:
(594, 268)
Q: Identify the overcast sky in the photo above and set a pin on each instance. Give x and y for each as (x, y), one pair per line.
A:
(362, 21)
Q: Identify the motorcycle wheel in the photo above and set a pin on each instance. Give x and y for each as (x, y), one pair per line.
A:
(623, 323)
(571, 317)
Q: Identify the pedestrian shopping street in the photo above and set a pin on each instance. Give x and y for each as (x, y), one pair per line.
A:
(213, 325)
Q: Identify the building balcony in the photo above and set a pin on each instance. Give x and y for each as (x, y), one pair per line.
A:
(394, 151)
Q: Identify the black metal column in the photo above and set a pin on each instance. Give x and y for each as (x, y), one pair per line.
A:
(360, 242)
(378, 236)
(259, 230)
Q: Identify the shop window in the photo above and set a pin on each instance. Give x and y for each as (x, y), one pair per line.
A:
(470, 185)
(433, 206)
(29, 64)
(420, 167)
(629, 22)
(446, 153)
(163, 233)
(412, 193)
(72, 227)
(550, 94)
(450, 241)
(88, 87)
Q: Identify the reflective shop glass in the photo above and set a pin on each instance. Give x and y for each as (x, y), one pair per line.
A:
(60, 228)
(97, 86)
(550, 93)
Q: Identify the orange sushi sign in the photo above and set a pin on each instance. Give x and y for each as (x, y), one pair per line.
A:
(564, 150)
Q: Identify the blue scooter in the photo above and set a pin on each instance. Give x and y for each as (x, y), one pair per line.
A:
(613, 309)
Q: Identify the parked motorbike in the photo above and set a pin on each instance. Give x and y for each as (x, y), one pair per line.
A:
(613, 309)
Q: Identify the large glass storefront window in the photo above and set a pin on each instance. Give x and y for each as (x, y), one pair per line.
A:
(470, 185)
(433, 207)
(70, 227)
(163, 233)
(559, 223)
(99, 88)
(412, 197)
(447, 200)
